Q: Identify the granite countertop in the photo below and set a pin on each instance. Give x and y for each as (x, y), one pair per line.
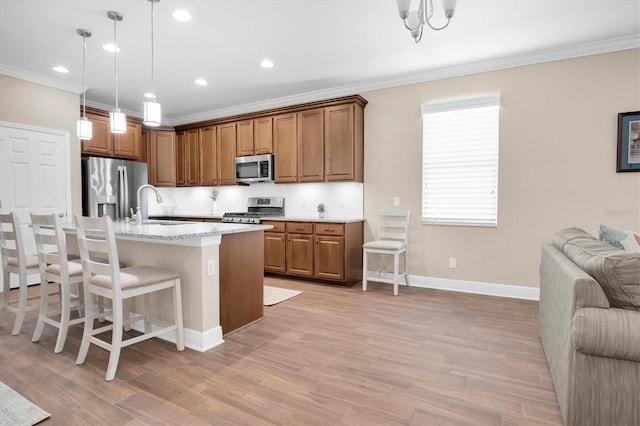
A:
(168, 230)
(275, 218)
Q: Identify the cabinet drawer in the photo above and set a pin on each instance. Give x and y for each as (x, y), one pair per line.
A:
(329, 229)
(277, 225)
(299, 228)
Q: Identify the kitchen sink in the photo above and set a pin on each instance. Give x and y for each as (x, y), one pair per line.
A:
(163, 222)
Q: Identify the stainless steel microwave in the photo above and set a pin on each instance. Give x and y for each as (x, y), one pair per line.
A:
(254, 168)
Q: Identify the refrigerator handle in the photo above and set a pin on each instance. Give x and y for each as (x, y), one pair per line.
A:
(125, 211)
(121, 186)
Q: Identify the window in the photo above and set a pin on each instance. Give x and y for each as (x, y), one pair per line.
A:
(460, 162)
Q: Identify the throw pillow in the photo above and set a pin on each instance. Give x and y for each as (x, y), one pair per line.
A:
(632, 242)
(612, 236)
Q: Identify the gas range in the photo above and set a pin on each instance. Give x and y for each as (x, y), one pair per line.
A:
(257, 208)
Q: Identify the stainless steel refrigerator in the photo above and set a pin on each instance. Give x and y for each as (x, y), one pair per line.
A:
(109, 186)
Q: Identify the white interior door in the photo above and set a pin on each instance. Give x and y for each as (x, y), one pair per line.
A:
(34, 174)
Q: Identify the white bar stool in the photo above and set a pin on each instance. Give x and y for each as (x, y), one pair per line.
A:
(55, 267)
(15, 261)
(393, 234)
(103, 277)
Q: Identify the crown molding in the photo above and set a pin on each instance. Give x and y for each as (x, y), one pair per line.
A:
(40, 79)
(530, 58)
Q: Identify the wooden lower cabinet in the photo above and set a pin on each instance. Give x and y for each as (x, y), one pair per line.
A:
(329, 252)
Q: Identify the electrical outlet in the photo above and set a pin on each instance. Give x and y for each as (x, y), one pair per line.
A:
(396, 201)
(211, 268)
(452, 263)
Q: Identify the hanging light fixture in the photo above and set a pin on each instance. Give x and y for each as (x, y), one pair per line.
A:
(117, 118)
(84, 127)
(414, 20)
(152, 109)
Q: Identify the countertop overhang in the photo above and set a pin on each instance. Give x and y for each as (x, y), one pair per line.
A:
(177, 232)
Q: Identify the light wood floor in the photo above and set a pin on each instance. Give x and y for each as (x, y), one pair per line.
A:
(331, 355)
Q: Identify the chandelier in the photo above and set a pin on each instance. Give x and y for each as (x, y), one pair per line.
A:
(414, 20)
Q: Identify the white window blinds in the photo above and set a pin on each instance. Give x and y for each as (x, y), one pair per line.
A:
(460, 162)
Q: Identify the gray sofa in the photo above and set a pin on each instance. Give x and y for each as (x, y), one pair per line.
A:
(589, 321)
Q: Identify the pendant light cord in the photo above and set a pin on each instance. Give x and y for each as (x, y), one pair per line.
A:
(153, 89)
(115, 54)
(84, 68)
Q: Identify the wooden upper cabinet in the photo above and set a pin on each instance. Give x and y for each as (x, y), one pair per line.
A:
(104, 143)
(101, 141)
(255, 137)
(263, 135)
(244, 144)
(181, 158)
(162, 157)
(193, 157)
(129, 144)
(208, 156)
(226, 154)
(344, 142)
(285, 148)
(311, 146)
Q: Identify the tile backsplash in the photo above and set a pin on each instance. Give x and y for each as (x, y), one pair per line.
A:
(341, 199)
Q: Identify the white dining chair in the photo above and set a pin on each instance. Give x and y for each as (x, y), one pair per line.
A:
(16, 261)
(393, 235)
(55, 268)
(102, 277)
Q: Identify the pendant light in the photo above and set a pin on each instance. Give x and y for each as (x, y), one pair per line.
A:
(152, 109)
(84, 127)
(117, 118)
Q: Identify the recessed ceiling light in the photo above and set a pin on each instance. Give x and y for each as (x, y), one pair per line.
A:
(149, 95)
(266, 63)
(201, 82)
(181, 15)
(60, 69)
(110, 47)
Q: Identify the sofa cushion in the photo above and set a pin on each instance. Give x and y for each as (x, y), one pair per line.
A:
(617, 271)
(632, 242)
(611, 333)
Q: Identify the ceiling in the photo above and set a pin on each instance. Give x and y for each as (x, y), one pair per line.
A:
(321, 48)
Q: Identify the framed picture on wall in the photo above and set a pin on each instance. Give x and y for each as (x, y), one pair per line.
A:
(628, 142)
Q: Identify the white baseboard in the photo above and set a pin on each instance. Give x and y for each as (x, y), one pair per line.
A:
(196, 340)
(489, 289)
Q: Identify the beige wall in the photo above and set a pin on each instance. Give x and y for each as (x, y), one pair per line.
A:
(558, 127)
(33, 104)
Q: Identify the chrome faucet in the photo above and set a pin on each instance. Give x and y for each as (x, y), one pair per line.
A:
(142, 211)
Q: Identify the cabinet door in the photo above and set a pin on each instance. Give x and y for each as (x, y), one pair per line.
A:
(128, 144)
(181, 159)
(275, 252)
(263, 135)
(208, 156)
(311, 146)
(101, 141)
(329, 258)
(285, 148)
(300, 255)
(245, 138)
(193, 157)
(227, 154)
(162, 158)
(340, 143)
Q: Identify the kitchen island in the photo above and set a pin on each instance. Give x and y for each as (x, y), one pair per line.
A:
(221, 267)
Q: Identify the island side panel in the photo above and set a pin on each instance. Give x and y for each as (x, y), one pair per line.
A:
(199, 291)
(241, 279)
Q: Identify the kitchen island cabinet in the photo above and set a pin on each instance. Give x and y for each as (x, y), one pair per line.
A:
(221, 268)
